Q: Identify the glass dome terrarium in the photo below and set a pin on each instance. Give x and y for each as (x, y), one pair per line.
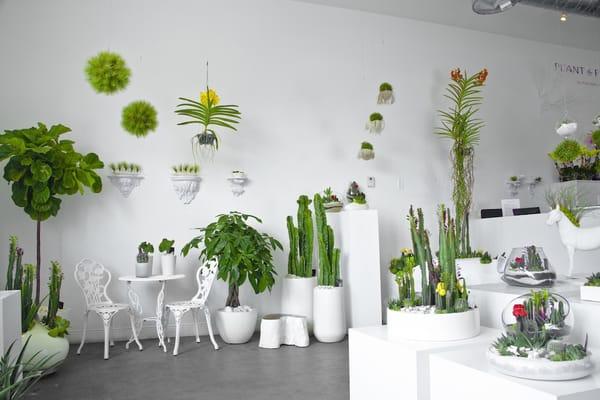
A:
(527, 266)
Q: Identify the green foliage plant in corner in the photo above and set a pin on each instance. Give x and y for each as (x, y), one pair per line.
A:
(107, 72)
(41, 168)
(139, 118)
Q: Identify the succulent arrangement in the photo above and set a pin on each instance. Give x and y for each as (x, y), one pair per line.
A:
(185, 170)
(386, 94)
(528, 266)
(139, 118)
(575, 161)
(107, 72)
(593, 280)
(329, 255)
(366, 151)
(144, 250)
(330, 201)
(123, 167)
(530, 261)
(301, 240)
(402, 269)
(355, 195)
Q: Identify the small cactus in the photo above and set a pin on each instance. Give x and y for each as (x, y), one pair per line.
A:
(329, 255)
(142, 257)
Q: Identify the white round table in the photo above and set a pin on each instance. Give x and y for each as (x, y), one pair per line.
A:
(136, 306)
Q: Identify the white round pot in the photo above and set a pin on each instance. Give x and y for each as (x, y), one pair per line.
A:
(566, 129)
(42, 345)
(143, 270)
(167, 263)
(433, 327)
(329, 314)
(235, 326)
(476, 273)
(297, 297)
(356, 207)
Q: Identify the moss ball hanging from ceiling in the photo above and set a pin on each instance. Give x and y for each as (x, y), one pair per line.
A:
(139, 118)
(107, 72)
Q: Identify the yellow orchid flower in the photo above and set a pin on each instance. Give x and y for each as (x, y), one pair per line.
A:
(214, 98)
(406, 251)
(460, 286)
(441, 289)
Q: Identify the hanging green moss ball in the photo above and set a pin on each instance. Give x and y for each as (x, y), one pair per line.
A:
(139, 118)
(107, 72)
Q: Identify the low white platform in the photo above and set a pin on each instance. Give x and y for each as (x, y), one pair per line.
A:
(382, 368)
(465, 374)
(10, 320)
(278, 329)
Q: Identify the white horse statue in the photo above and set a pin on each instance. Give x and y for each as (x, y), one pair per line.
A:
(573, 237)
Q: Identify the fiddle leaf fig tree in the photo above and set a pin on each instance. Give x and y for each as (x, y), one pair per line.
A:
(42, 167)
(243, 253)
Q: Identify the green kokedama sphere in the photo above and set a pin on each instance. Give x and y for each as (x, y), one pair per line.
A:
(107, 72)
(139, 118)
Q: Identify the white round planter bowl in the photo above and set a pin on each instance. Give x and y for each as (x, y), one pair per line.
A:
(42, 345)
(476, 273)
(236, 327)
(297, 297)
(143, 270)
(567, 129)
(167, 264)
(433, 327)
(329, 314)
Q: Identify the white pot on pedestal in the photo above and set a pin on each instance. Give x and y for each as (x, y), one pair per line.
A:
(432, 327)
(476, 273)
(167, 263)
(329, 314)
(297, 297)
(236, 325)
(356, 206)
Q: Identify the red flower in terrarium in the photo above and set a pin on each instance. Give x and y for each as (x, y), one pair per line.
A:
(519, 260)
(519, 311)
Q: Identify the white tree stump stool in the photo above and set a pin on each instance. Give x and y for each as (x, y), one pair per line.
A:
(278, 329)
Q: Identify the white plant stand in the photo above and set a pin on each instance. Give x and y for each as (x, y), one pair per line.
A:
(278, 329)
(10, 320)
(136, 306)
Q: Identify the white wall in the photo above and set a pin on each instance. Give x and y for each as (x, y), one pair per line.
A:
(305, 78)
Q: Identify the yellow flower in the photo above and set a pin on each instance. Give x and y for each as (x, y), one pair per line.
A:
(460, 286)
(406, 251)
(441, 289)
(214, 98)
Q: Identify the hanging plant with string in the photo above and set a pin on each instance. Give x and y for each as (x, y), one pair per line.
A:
(208, 113)
(375, 124)
(386, 94)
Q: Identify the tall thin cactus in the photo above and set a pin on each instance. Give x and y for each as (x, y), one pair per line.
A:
(329, 255)
(423, 257)
(28, 307)
(14, 271)
(54, 284)
(301, 240)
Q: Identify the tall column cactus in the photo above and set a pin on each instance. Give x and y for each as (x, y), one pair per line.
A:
(14, 271)
(329, 255)
(56, 278)
(423, 257)
(301, 240)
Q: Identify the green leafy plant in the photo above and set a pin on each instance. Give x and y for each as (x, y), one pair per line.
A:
(385, 86)
(329, 255)
(124, 167)
(514, 178)
(566, 151)
(166, 246)
(568, 201)
(185, 169)
(42, 167)
(462, 127)
(485, 258)
(139, 118)
(571, 352)
(301, 240)
(243, 253)
(146, 247)
(375, 117)
(596, 138)
(366, 146)
(593, 280)
(520, 344)
(574, 160)
(329, 196)
(142, 257)
(18, 376)
(107, 72)
(360, 198)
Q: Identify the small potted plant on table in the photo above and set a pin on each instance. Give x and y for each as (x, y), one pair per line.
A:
(167, 258)
(144, 259)
(244, 254)
(590, 291)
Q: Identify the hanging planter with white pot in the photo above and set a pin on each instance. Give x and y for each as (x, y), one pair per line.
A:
(566, 127)
(186, 181)
(125, 176)
(386, 94)
(238, 181)
(366, 151)
(376, 124)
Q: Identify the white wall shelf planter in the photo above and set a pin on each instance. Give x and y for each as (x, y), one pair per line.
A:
(238, 181)
(126, 182)
(186, 187)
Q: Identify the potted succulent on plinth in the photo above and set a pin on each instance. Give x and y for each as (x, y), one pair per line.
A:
(527, 266)
(357, 199)
(186, 181)
(386, 94)
(331, 202)
(591, 289)
(574, 161)
(125, 176)
(329, 312)
(167, 256)
(441, 311)
(244, 254)
(143, 265)
(298, 284)
(366, 151)
(376, 124)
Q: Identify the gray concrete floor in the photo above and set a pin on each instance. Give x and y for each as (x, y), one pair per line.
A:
(243, 372)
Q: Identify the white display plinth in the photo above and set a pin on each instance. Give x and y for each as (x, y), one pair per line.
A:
(10, 320)
(357, 236)
(384, 368)
(466, 374)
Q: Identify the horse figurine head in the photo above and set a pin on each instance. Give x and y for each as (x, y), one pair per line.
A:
(555, 216)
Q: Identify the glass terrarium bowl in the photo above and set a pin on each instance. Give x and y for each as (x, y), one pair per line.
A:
(527, 266)
(538, 312)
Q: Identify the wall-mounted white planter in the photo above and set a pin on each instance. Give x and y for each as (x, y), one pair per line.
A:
(356, 207)
(167, 263)
(125, 182)
(186, 187)
(433, 327)
(297, 297)
(590, 293)
(238, 181)
(566, 128)
(329, 314)
(366, 154)
(376, 126)
(386, 97)
(236, 326)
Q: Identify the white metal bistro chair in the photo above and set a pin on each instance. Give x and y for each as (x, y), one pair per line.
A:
(205, 277)
(93, 279)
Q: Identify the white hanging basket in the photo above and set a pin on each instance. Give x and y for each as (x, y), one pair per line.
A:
(566, 128)
(125, 182)
(186, 187)
(386, 97)
(375, 127)
(366, 154)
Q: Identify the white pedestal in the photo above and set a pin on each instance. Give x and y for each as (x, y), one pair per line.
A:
(357, 235)
(383, 368)
(465, 374)
(278, 329)
(10, 320)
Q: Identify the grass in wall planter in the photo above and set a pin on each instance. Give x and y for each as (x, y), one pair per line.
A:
(243, 254)
(125, 176)
(107, 72)
(186, 181)
(139, 118)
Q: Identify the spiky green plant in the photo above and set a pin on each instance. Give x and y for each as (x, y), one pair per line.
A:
(124, 167)
(186, 169)
(596, 138)
(567, 151)
(402, 268)
(107, 72)
(29, 308)
(593, 280)
(57, 326)
(139, 118)
(329, 255)
(375, 117)
(301, 240)
(14, 262)
(423, 257)
(569, 202)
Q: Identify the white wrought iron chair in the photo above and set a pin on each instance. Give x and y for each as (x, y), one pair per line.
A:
(205, 277)
(93, 279)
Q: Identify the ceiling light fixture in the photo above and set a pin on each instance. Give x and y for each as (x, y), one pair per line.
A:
(563, 17)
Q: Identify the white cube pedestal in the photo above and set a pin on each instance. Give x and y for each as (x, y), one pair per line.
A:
(10, 320)
(383, 368)
(465, 374)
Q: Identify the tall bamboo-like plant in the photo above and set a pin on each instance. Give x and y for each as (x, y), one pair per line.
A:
(329, 255)
(423, 257)
(301, 240)
(460, 125)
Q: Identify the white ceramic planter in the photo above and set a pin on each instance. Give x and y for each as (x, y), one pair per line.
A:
(476, 273)
(356, 207)
(297, 297)
(366, 154)
(143, 270)
(329, 314)
(334, 206)
(186, 187)
(238, 184)
(386, 97)
(590, 293)
(42, 345)
(236, 327)
(375, 127)
(566, 129)
(433, 327)
(167, 263)
(126, 182)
